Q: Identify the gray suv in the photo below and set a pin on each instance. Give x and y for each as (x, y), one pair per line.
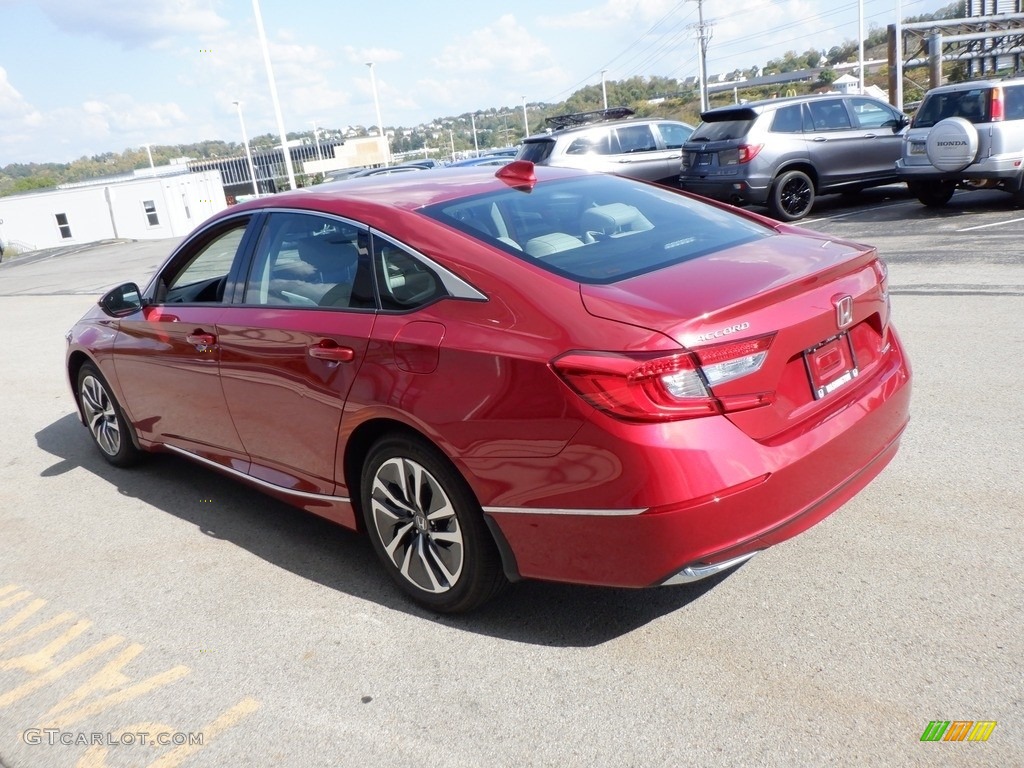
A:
(606, 140)
(967, 135)
(784, 152)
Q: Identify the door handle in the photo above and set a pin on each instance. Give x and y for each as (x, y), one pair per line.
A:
(820, 138)
(869, 135)
(328, 350)
(200, 340)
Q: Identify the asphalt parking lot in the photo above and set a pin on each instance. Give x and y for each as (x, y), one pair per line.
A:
(168, 604)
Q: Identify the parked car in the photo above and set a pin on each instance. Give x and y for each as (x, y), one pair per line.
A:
(481, 160)
(523, 373)
(783, 153)
(611, 142)
(966, 135)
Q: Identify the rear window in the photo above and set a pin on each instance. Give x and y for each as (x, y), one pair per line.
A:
(598, 229)
(970, 104)
(536, 151)
(725, 126)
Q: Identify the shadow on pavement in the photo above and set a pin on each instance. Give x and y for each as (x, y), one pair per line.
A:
(528, 612)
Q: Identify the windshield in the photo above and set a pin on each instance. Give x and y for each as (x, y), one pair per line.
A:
(598, 229)
(721, 129)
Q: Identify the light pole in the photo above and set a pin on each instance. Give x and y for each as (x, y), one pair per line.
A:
(860, 41)
(899, 56)
(248, 152)
(476, 145)
(150, 156)
(380, 123)
(604, 89)
(273, 94)
(526, 122)
(316, 138)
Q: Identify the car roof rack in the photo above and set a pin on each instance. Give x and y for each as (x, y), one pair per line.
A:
(583, 118)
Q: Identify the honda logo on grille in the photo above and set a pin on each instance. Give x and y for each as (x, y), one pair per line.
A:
(844, 311)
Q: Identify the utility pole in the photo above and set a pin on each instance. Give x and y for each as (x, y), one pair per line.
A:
(703, 36)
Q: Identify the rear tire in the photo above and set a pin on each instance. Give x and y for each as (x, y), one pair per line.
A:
(792, 196)
(427, 528)
(107, 425)
(933, 194)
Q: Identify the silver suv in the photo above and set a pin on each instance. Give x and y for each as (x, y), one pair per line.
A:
(784, 152)
(967, 135)
(641, 148)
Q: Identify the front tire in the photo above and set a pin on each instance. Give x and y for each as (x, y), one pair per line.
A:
(103, 416)
(932, 194)
(792, 196)
(427, 528)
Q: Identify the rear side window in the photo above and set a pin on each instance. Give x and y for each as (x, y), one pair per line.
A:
(788, 120)
(972, 105)
(1013, 102)
(636, 138)
(600, 141)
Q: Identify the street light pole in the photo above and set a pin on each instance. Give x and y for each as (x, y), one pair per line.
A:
(248, 152)
(316, 138)
(604, 89)
(380, 123)
(273, 94)
(526, 122)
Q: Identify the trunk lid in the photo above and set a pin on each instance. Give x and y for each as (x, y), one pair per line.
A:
(790, 286)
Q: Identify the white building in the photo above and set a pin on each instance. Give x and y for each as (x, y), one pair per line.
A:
(146, 206)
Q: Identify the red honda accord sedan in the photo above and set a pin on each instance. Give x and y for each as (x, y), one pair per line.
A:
(530, 373)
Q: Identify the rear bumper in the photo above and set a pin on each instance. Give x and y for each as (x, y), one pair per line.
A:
(996, 167)
(766, 494)
(735, 190)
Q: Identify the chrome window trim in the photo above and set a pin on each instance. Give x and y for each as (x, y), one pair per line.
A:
(455, 285)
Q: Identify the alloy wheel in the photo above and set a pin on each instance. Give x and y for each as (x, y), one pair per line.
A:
(100, 415)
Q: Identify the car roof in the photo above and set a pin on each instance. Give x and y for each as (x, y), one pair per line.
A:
(969, 85)
(554, 133)
(403, 191)
(764, 104)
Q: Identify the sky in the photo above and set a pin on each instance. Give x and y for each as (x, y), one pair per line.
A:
(84, 77)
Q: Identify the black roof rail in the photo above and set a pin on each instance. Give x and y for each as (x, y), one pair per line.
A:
(583, 118)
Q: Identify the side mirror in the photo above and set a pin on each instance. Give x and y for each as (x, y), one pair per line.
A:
(122, 301)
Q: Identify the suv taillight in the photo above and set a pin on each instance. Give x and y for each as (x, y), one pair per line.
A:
(744, 153)
(665, 387)
(996, 109)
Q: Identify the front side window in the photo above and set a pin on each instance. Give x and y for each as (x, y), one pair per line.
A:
(308, 260)
(674, 134)
(202, 277)
(872, 114)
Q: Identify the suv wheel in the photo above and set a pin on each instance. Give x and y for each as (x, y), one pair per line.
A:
(933, 194)
(792, 196)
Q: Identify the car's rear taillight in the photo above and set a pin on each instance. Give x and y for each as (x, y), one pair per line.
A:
(996, 107)
(744, 153)
(665, 387)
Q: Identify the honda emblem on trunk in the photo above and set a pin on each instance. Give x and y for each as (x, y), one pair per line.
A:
(844, 311)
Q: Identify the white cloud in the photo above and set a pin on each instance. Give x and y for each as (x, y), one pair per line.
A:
(132, 23)
(614, 13)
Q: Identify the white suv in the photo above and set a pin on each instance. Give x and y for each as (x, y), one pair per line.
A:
(967, 135)
(642, 148)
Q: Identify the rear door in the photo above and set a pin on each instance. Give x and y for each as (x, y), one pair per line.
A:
(291, 348)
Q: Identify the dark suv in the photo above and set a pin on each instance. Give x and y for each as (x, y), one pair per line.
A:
(784, 152)
(967, 135)
(607, 140)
